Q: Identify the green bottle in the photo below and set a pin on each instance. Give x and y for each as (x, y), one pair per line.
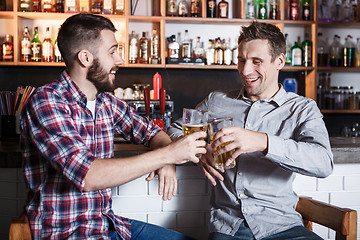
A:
(262, 9)
(307, 50)
(296, 54)
(288, 51)
(36, 47)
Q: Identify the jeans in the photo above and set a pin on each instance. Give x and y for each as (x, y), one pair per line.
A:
(244, 233)
(146, 231)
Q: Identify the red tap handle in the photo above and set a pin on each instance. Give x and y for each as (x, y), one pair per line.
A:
(147, 101)
(162, 101)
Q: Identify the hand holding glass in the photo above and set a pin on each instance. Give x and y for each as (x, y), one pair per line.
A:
(215, 125)
(194, 120)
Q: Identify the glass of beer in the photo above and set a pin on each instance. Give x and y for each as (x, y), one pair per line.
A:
(215, 125)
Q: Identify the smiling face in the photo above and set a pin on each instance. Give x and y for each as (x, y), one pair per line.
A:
(105, 64)
(258, 72)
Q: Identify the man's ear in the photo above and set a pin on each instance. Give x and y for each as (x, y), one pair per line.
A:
(85, 57)
(280, 61)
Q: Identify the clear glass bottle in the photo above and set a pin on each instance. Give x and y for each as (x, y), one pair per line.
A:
(195, 8)
(186, 46)
(322, 51)
(133, 48)
(210, 53)
(274, 10)
(121, 47)
(306, 10)
(219, 52)
(47, 47)
(119, 7)
(296, 54)
(324, 11)
(70, 6)
(235, 52)
(171, 8)
(144, 49)
(108, 7)
(307, 51)
(211, 8)
(288, 51)
(8, 49)
(84, 6)
(154, 48)
(227, 52)
(57, 54)
(348, 52)
(26, 46)
(357, 51)
(223, 8)
(182, 8)
(262, 9)
(336, 11)
(335, 52)
(198, 49)
(36, 47)
(346, 11)
(354, 10)
(250, 9)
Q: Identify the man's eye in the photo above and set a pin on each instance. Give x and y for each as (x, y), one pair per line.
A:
(257, 62)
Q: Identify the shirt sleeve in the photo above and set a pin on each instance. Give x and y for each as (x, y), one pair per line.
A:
(309, 151)
(49, 126)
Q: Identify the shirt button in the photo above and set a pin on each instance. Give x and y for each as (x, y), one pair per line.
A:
(244, 210)
(248, 125)
(241, 195)
(240, 173)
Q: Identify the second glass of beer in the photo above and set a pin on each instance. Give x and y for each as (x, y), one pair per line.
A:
(194, 120)
(215, 125)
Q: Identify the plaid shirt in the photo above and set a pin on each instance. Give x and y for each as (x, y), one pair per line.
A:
(61, 139)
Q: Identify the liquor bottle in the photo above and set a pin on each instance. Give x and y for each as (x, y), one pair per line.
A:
(357, 53)
(186, 46)
(2, 5)
(171, 9)
(296, 54)
(227, 52)
(219, 53)
(96, 6)
(307, 51)
(133, 48)
(354, 10)
(322, 51)
(288, 51)
(59, 6)
(262, 9)
(250, 9)
(195, 8)
(70, 6)
(294, 10)
(274, 12)
(335, 52)
(211, 8)
(119, 7)
(198, 49)
(287, 11)
(173, 47)
(25, 6)
(36, 6)
(210, 53)
(121, 48)
(84, 6)
(48, 6)
(346, 11)
(306, 10)
(235, 53)
(348, 52)
(47, 47)
(36, 47)
(144, 49)
(182, 9)
(26, 46)
(154, 48)
(223, 8)
(336, 11)
(57, 54)
(8, 49)
(108, 7)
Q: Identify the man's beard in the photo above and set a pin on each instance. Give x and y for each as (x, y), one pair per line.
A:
(100, 77)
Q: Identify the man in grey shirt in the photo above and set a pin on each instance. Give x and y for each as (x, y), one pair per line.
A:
(275, 135)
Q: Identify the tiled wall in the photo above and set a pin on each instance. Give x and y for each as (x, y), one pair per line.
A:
(187, 211)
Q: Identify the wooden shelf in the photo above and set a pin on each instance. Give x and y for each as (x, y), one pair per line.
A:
(328, 111)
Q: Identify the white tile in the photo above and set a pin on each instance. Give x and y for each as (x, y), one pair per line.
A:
(192, 186)
(346, 169)
(164, 219)
(137, 204)
(320, 196)
(136, 216)
(345, 199)
(189, 203)
(304, 183)
(331, 183)
(189, 171)
(352, 182)
(191, 219)
(321, 230)
(136, 187)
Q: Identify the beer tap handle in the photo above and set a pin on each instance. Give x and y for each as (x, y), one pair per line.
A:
(147, 102)
(162, 102)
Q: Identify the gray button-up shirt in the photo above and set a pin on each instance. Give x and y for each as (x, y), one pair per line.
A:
(260, 188)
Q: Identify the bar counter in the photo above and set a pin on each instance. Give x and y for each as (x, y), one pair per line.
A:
(345, 150)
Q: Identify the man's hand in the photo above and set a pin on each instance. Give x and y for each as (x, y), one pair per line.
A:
(167, 181)
(241, 140)
(207, 166)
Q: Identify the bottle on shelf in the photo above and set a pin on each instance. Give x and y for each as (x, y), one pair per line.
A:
(173, 47)
(198, 49)
(354, 10)
(348, 52)
(210, 53)
(47, 47)
(357, 52)
(133, 48)
(288, 50)
(36, 47)
(227, 52)
(336, 12)
(3, 5)
(48, 5)
(144, 49)
(294, 10)
(195, 8)
(306, 10)
(25, 6)
(8, 49)
(154, 48)
(96, 6)
(186, 48)
(324, 13)
(322, 51)
(36, 5)
(121, 47)
(346, 11)
(84, 6)
(296, 54)
(219, 53)
(119, 7)
(70, 6)
(307, 51)
(287, 11)
(182, 9)
(57, 54)
(171, 8)
(108, 7)
(235, 52)
(274, 10)
(262, 9)
(223, 9)
(250, 9)
(59, 6)
(26, 46)
(335, 52)
(211, 8)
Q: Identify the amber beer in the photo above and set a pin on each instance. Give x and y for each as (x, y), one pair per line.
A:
(221, 159)
(191, 128)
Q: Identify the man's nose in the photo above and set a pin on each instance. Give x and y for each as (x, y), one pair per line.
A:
(246, 68)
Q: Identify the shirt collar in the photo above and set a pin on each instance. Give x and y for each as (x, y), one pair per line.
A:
(278, 98)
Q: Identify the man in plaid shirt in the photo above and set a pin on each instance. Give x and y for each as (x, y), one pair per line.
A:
(68, 132)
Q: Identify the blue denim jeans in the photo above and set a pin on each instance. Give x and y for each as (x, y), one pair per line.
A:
(244, 233)
(146, 231)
